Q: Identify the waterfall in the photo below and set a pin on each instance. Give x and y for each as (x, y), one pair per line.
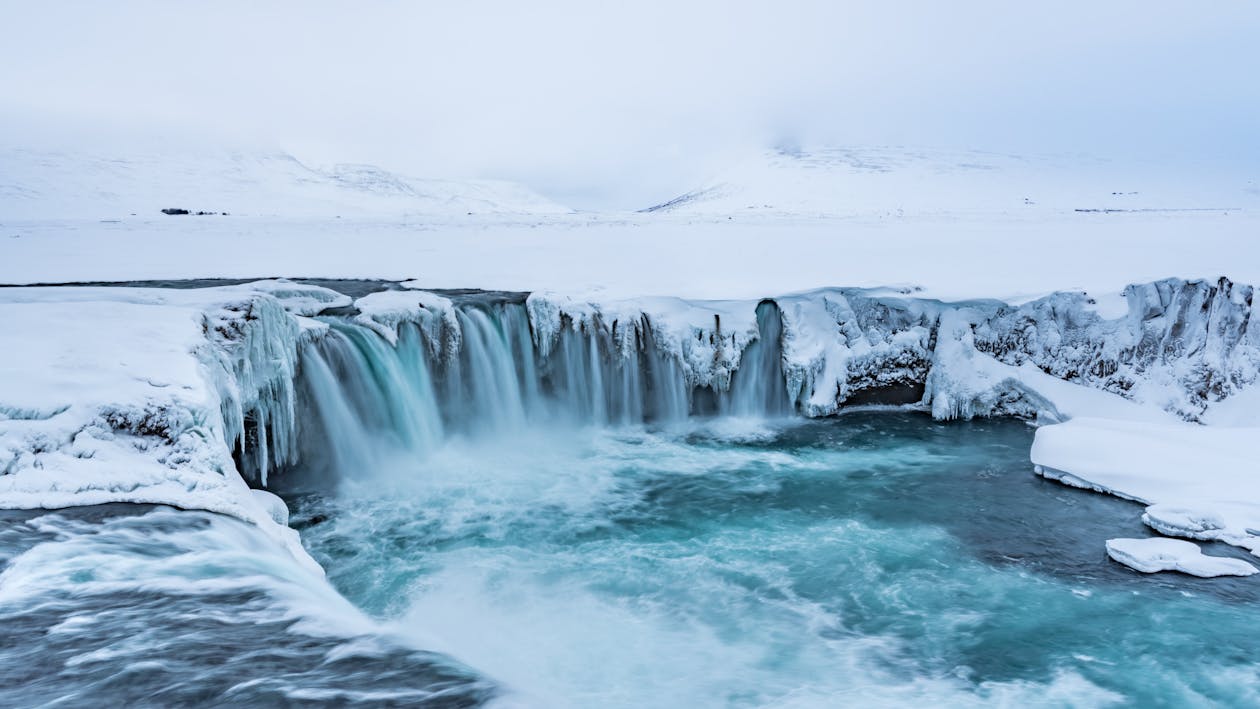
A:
(759, 387)
(369, 399)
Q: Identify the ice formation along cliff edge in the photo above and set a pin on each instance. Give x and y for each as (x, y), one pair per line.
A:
(179, 396)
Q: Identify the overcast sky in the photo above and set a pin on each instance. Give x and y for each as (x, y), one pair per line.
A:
(624, 104)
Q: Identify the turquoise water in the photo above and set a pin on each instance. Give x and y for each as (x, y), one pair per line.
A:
(874, 558)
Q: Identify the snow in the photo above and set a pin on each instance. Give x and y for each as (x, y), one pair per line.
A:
(632, 255)
(1199, 481)
(39, 184)
(134, 395)
(964, 382)
(950, 226)
(1241, 409)
(1160, 554)
(386, 310)
(898, 181)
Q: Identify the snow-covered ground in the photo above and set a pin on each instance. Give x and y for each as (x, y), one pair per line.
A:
(50, 184)
(993, 282)
(900, 182)
(938, 224)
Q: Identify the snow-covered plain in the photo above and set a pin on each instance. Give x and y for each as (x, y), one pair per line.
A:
(43, 183)
(996, 284)
(908, 223)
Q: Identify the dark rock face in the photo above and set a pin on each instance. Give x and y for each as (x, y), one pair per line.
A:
(173, 210)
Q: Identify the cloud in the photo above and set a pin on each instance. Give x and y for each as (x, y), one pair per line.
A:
(626, 103)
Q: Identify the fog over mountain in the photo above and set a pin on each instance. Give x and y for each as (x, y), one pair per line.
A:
(626, 106)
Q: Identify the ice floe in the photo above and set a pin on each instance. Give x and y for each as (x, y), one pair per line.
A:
(1156, 554)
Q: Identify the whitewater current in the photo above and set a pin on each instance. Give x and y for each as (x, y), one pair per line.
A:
(569, 528)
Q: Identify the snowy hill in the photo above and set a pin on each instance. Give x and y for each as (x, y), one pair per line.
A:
(38, 184)
(900, 182)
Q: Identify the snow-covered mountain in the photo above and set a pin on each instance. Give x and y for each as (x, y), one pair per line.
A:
(908, 182)
(41, 184)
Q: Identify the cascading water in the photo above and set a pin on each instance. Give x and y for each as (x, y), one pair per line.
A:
(758, 388)
(369, 399)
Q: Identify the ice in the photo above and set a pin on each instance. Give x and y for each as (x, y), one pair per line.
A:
(707, 338)
(1156, 554)
(275, 507)
(1199, 481)
(137, 395)
(385, 311)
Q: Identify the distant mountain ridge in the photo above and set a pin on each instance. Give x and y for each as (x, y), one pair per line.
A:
(898, 181)
(60, 184)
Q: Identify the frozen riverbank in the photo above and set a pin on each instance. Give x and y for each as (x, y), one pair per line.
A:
(168, 396)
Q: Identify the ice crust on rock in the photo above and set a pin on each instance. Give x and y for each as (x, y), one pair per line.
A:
(138, 395)
(1156, 554)
(706, 338)
(383, 312)
(1179, 346)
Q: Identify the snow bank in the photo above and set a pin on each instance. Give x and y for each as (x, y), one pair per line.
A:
(138, 395)
(1159, 554)
(1201, 482)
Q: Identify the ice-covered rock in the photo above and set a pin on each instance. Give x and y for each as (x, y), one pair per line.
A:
(383, 312)
(1179, 345)
(1172, 345)
(1157, 554)
(706, 338)
(140, 395)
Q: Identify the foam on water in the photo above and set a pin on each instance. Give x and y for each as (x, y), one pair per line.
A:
(872, 558)
(151, 606)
